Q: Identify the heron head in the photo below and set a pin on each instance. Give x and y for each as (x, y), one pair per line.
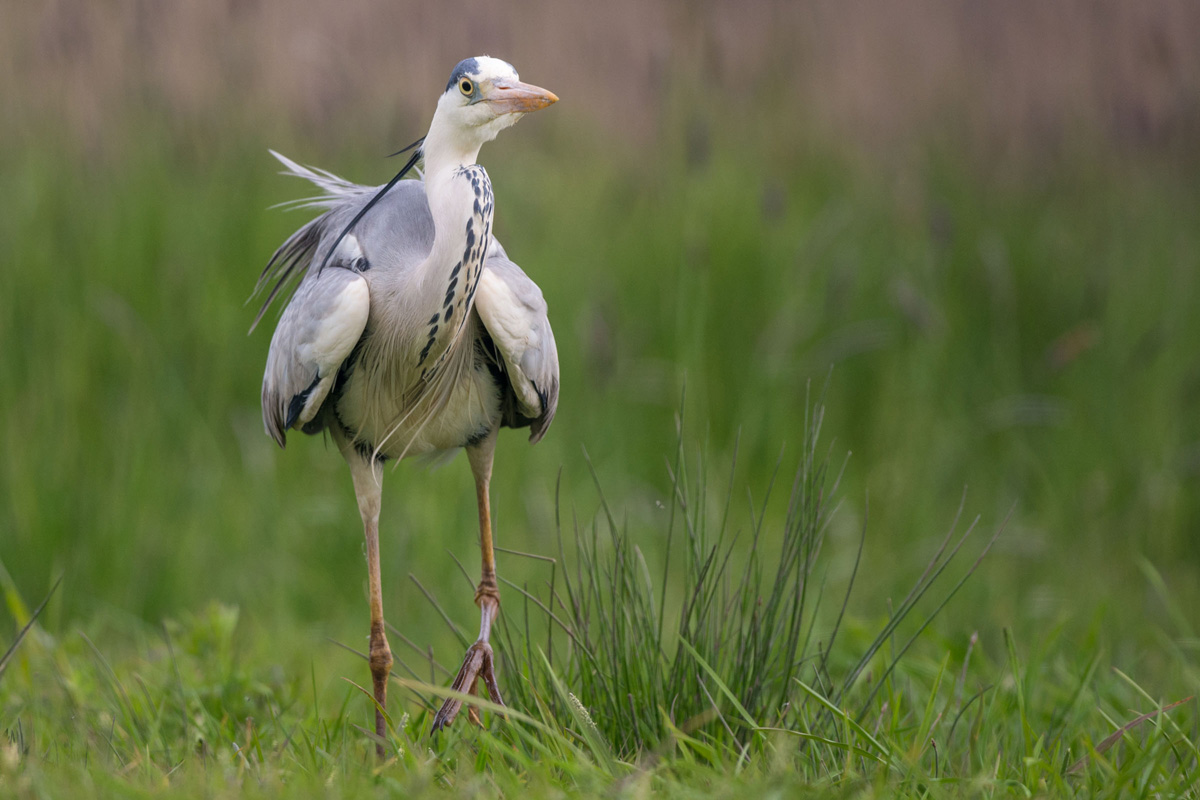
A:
(484, 96)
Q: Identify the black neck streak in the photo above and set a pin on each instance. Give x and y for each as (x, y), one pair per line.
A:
(464, 278)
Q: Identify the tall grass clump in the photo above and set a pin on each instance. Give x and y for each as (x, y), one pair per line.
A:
(732, 639)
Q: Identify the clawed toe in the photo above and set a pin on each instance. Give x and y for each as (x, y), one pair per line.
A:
(477, 664)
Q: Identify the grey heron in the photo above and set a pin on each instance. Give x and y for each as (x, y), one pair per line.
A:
(410, 331)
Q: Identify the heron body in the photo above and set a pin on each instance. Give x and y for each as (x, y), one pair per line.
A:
(411, 332)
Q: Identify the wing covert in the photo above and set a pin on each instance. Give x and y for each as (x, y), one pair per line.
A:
(513, 310)
(317, 332)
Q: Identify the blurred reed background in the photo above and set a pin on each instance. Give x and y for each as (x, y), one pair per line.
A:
(1018, 77)
(982, 214)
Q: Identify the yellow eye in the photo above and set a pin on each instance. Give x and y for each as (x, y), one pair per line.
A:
(466, 87)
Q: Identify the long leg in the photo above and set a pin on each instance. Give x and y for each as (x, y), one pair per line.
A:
(479, 662)
(368, 489)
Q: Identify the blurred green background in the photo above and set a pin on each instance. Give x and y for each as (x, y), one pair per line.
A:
(983, 216)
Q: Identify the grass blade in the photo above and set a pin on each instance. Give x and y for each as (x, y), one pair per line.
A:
(12, 648)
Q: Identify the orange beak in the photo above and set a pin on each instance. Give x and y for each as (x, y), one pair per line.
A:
(519, 98)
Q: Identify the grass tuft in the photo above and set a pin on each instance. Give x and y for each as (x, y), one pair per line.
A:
(732, 646)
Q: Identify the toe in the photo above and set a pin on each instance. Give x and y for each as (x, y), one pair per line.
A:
(463, 682)
(445, 715)
(478, 663)
(488, 674)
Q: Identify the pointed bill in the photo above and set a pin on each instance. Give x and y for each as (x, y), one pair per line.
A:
(509, 97)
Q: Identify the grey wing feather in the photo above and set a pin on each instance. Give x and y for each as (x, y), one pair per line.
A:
(399, 230)
(327, 313)
(339, 197)
(513, 310)
(317, 332)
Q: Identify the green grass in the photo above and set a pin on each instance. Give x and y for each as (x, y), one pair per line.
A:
(1031, 338)
(740, 687)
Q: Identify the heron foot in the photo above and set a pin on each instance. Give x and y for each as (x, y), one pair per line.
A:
(479, 663)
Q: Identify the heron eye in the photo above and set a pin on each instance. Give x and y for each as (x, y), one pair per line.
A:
(466, 87)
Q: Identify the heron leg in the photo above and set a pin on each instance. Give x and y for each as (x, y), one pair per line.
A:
(479, 662)
(368, 489)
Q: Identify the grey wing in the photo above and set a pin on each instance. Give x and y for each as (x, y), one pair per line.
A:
(398, 232)
(513, 310)
(317, 332)
(328, 312)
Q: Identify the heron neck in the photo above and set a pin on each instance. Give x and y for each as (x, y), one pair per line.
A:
(446, 151)
(460, 202)
(447, 146)
(455, 191)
